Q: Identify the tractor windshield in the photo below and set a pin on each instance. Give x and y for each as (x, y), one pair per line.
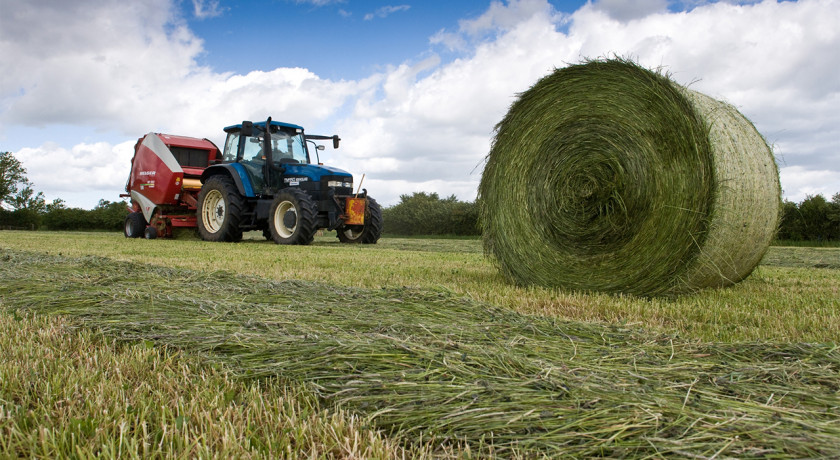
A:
(288, 147)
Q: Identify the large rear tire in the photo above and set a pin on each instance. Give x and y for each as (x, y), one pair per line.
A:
(219, 210)
(368, 233)
(135, 223)
(292, 218)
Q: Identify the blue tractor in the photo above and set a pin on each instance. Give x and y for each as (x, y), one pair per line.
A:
(268, 182)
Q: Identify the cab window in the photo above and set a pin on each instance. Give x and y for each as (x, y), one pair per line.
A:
(231, 147)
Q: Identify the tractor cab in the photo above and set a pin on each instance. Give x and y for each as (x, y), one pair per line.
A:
(286, 143)
(268, 181)
(262, 151)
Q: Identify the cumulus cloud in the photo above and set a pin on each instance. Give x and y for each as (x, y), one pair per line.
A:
(434, 121)
(426, 123)
(130, 69)
(98, 168)
(809, 182)
(498, 19)
(626, 10)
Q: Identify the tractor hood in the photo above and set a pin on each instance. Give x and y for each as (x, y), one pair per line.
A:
(314, 172)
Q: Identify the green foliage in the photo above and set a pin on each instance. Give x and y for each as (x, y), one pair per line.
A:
(428, 214)
(105, 216)
(25, 219)
(12, 175)
(790, 227)
(20, 205)
(16, 192)
(814, 219)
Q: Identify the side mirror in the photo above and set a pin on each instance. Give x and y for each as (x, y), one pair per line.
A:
(335, 141)
(247, 128)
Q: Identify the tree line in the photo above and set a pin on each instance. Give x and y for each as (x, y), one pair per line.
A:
(813, 219)
(424, 213)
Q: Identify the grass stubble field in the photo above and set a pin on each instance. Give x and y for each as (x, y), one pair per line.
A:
(409, 348)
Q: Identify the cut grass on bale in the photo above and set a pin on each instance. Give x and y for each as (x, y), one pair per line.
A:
(606, 176)
(424, 365)
(793, 296)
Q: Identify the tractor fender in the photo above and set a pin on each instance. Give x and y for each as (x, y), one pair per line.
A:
(236, 172)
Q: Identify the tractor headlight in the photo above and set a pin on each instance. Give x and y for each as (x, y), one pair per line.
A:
(338, 183)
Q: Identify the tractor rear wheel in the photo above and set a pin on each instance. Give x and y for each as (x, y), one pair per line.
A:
(368, 233)
(135, 223)
(292, 217)
(219, 210)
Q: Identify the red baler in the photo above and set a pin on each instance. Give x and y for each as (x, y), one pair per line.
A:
(164, 183)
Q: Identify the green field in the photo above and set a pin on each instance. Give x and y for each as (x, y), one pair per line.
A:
(411, 347)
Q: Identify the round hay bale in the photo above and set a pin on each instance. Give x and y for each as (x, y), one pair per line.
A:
(606, 176)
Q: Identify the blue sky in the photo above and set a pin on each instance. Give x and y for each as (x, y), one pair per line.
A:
(413, 88)
(346, 40)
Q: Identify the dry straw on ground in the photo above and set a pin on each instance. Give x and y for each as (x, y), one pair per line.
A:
(606, 176)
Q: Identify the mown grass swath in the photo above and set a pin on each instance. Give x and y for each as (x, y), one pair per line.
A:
(786, 299)
(67, 392)
(605, 176)
(426, 363)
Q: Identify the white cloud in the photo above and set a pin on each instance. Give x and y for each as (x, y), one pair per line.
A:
(204, 9)
(423, 124)
(498, 19)
(85, 171)
(801, 182)
(139, 74)
(386, 11)
(320, 2)
(434, 123)
(626, 10)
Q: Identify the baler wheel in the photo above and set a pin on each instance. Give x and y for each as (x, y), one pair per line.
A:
(150, 233)
(292, 217)
(135, 223)
(369, 232)
(219, 210)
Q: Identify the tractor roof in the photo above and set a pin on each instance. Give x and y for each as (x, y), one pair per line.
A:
(262, 125)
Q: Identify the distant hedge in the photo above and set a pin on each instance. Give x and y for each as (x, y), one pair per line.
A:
(421, 213)
(107, 216)
(813, 219)
(19, 219)
(428, 214)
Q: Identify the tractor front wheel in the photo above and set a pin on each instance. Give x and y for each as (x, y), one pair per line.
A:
(368, 233)
(135, 223)
(292, 217)
(219, 210)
